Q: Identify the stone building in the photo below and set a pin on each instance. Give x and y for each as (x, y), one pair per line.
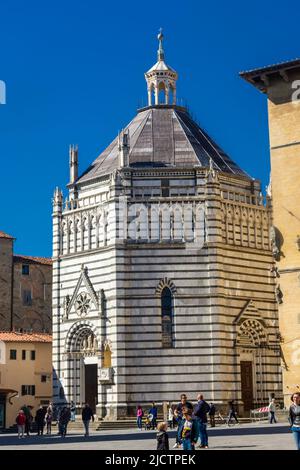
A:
(25, 373)
(25, 290)
(281, 84)
(162, 269)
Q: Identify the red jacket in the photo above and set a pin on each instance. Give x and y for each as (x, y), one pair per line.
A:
(21, 418)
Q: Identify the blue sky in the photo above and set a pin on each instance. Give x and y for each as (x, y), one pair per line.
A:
(74, 74)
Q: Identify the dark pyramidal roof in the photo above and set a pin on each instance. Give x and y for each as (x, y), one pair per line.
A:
(164, 136)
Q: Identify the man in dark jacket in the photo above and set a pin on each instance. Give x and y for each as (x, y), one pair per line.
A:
(64, 418)
(40, 420)
(87, 414)
(200, 413)
(211, 414)
(153, 413)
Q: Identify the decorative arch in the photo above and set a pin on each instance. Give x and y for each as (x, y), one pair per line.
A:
(78, 332)
(165, 282)
(251, 334)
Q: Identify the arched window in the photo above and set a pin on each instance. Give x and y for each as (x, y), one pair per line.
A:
(167, 317)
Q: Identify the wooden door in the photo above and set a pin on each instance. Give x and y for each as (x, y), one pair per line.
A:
(247, 384)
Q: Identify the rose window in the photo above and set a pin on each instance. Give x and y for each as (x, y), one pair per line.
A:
(83, 304)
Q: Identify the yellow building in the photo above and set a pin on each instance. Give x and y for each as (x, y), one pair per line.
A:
(281, 84)
(25, 373)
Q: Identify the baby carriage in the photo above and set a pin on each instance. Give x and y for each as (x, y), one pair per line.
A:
(148, 422)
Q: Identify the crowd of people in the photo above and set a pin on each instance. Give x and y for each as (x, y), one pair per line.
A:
(189, 420)
(45, 416)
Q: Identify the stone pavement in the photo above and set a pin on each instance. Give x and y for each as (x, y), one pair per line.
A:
(260, 436)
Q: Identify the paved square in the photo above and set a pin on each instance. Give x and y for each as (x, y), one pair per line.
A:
(239, 437)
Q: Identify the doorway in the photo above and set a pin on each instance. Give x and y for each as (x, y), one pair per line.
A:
(2, 411)
(91, 385)
(247, 384)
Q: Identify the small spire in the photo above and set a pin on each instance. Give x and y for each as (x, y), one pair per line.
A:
(160, 52)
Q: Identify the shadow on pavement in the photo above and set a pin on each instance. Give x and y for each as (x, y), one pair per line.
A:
(8, 439)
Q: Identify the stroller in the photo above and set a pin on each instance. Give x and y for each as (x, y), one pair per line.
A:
(148, 422)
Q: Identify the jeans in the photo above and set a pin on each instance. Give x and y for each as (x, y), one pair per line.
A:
(21, 429)
(179, 419)
(62, 427)
(230, 416)
(153, 423)
(40, 428)
(86, 424)
(203, 434)
(139, 422)
(49, 427)
(296, 434)
(272, 417)
(187, 444)
(212, 421)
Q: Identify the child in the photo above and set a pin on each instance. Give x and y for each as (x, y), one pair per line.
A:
(48, 419)
(188, 430)
(162, 436)
(20, 420)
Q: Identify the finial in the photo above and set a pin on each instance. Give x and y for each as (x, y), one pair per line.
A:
(160, 52)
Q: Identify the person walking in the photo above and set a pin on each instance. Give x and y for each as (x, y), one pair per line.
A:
(64, 418)
(294, 418)
(73, 412)
(211, 414)
(188, 430)
(28, 417)
(231, 413)
(87, 414)
(162, 436)
(48, 420)
(170, 417)
(21, 420)
(40, 420)
(139, 417)
(153, 412)
(272, 409)
(178, 413)
(200, 413)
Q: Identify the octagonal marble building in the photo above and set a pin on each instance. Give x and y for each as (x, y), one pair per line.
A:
(163, 275)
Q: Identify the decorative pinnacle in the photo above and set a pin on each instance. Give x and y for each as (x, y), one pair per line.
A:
(160, 52)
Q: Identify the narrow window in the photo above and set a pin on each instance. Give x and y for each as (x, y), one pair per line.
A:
(13, 354)
(43, 378)
(25, 269)
(27, 298)
(32, 355)
(167, 317)
(23, 354)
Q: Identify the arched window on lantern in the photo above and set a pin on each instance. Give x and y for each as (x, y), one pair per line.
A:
(167, 317)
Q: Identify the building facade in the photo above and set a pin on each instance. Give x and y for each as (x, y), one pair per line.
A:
(25, 290)
(25, 373)
(281, 85)
(163, 278)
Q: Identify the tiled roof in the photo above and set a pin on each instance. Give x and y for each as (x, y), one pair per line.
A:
(5, 235)
(272, 68)
(13, 336)
(164, 136)
(32, 260)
